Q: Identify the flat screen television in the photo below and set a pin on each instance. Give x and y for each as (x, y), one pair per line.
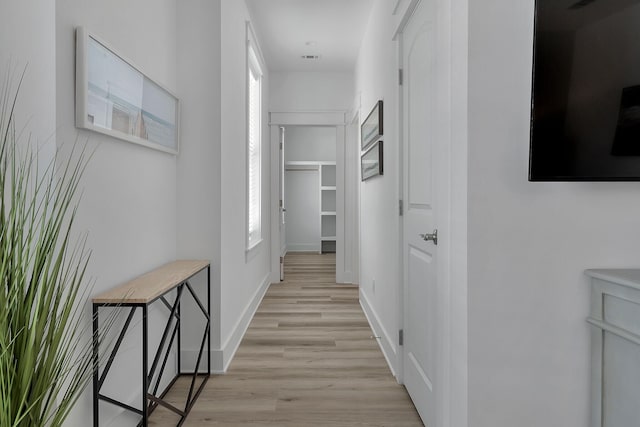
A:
(585, 110)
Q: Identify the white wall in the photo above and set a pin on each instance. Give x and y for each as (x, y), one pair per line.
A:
(27, 39)
(529, 243)
(131, 195)
(244, 276)
(310, 91)
(302, 190)
(211, 217)
(198, 172)
(313, 143)
(376, 78)
(458, 274)
(129, 201)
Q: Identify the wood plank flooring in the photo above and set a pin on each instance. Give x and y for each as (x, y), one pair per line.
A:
(307, 359)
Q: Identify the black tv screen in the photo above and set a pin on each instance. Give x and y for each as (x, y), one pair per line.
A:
(585, 112)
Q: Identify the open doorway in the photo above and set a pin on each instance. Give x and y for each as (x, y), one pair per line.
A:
(310, 189)
(312, 215)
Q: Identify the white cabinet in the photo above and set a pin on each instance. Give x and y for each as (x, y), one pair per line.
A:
(615, 347)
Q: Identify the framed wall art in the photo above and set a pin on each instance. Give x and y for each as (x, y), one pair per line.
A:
(371, 128)
(115, 98)
(371, 161)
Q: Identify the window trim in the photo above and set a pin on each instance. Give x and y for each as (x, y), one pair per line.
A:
(253, 65)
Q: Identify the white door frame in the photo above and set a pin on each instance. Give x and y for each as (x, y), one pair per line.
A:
(352, 150)
(282, 203)
(333, 119)
(452, 53)
(274, 132)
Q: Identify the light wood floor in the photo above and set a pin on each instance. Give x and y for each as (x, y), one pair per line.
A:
(307, 359)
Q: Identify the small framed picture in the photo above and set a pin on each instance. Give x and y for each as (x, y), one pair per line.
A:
(371, 128)
(371, 161)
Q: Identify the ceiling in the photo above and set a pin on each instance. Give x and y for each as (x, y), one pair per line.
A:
(330, 29)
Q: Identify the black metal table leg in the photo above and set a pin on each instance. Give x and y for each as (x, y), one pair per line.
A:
(96, 415)
(179, 339)
(209, 319)
(145, 362)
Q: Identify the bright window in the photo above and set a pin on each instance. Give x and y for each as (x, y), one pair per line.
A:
(254, 151)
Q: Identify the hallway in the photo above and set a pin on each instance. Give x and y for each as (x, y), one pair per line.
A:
(307, 359)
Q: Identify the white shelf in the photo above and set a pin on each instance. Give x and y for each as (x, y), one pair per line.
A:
(328, 217)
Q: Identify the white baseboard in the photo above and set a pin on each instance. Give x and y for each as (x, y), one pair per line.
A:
(232, 343)
(344, 277)
(303, 247)
(221, 358)
(386, 343)
(114, 416)
(275, 277)
(189, 357)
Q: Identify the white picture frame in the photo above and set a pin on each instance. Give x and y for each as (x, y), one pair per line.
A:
(115, 98)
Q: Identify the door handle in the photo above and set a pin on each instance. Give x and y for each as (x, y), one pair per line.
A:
(430, 237)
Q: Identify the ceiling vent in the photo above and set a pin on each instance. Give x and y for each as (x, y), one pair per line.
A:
(580, 4)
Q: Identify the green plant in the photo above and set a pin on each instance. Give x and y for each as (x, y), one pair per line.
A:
(45, 349)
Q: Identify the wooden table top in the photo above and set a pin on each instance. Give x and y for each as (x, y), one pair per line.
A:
(146, 288)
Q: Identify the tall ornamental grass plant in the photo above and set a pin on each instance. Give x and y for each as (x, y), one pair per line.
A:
(45, 343)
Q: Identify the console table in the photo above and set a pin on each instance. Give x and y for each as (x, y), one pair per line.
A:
(140, 293)
(615, 347)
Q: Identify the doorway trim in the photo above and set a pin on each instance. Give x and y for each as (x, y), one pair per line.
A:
(335, 119)
(453, 43)
(352, 188)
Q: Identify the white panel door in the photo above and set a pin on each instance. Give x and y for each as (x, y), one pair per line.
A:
(419, 186)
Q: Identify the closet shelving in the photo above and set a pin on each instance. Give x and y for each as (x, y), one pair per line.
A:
(327, 193)
(328, 207)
